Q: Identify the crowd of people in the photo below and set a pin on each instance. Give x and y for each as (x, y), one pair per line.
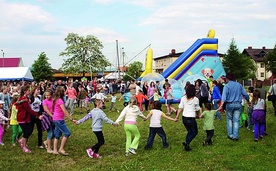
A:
(46, 104)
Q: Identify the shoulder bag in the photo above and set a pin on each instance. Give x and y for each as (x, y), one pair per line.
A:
(273, 96)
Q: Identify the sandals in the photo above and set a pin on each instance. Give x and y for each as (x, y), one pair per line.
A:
(55, 153)
(63, 153)
(45, 144)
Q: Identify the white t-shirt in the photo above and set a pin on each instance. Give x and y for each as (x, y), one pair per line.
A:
(190, 106)
(260, 104)
(155, 120)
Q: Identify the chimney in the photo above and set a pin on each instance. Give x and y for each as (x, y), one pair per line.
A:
(250, 47)
(263, 47)
(172, 51)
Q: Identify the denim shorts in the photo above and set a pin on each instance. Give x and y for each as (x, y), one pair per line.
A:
(169, 101)
(61, 128)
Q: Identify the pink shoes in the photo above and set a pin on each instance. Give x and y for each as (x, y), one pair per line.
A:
(97, 156)
(89, 152)
(26, 150)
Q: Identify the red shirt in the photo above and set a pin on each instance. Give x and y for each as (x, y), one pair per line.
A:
(24, 110)
(140, 97)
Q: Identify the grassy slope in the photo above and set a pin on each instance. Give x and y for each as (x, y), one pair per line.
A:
(223, 155)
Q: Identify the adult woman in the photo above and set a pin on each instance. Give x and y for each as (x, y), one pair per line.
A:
(72, 95)
(272, 91)
(202, 93)
(42, 88)
(145, 92)
(150, 93)
(216, 96)
(132, 88)
(190, 103)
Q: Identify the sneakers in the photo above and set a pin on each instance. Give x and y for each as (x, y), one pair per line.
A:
(89, 152)
(127, 154)
(186, 146)
(26, 150)
(96, 155)
(132, 151)
(1, 143)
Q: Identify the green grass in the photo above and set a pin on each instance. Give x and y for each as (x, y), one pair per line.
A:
(222, 155)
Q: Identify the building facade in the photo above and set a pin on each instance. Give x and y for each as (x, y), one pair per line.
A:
(258, 56)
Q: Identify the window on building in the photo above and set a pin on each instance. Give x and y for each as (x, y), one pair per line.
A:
(262, 74)
(262, 65)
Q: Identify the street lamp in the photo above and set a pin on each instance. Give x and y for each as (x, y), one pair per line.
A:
(3, 57)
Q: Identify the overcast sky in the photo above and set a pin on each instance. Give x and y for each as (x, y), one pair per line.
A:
(29, 27)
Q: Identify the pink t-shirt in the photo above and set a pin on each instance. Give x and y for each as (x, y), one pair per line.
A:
(71, 92)
(58, 113)
(49, 104)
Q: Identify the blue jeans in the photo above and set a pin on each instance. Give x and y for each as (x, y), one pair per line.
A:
(233, 112)
(50, 132)
(216, 101)
(153, 131)
(61, 127)
(191, 126)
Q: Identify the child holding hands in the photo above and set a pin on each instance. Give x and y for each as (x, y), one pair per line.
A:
(155, 127)
(130, 113)
(98, 116)
(209, 116)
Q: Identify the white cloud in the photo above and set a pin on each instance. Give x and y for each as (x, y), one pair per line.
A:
(180, 23)
(105, 35)
(16, 16)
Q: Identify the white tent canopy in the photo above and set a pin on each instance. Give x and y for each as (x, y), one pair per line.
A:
(16, 73)
(114, 75)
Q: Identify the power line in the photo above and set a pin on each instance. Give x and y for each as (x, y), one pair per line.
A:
(138, 54)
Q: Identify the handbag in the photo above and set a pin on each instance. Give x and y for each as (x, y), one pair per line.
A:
(272, 97)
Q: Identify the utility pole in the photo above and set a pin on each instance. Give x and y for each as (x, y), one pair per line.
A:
(123, 53)
(117, 49)
(3, 58)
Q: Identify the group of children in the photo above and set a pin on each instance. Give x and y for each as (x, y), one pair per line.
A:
(130, 114)
(54, 112)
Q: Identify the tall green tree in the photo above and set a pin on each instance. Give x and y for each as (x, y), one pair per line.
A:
(242, 66)
(270, 61)
(133, 71)
(83, 54)
(41, 68)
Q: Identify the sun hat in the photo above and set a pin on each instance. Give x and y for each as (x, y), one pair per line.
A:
(2, 102)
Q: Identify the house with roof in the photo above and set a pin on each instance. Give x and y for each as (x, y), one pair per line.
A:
(11, 62)
(258, 56)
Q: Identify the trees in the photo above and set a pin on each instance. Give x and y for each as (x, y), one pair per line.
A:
(83, 54)
(133, 71)
(240, 65)
(41, 68)
(270, 61)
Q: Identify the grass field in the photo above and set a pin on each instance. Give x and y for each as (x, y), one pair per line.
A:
(224, 154)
